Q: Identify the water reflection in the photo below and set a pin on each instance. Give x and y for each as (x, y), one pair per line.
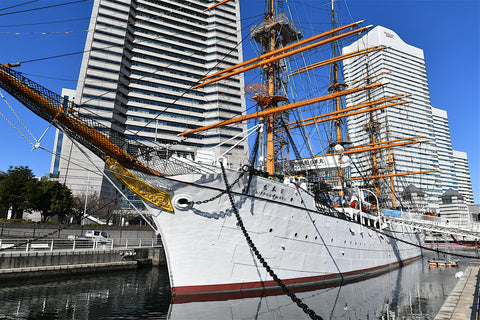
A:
(116, 295)
(413, 292)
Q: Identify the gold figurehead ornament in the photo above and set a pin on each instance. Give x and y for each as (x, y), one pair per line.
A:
(142, 189)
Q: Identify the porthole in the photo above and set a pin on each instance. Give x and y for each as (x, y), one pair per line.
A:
(270, 230)
(296, 234)
(316, 237)
(306, 236)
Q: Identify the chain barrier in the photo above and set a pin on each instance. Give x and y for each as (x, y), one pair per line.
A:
(260, 258)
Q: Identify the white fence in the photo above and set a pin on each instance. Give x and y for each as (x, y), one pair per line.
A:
(437, 224)
(72, 245)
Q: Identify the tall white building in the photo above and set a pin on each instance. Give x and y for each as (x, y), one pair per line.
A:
(69, 95)
(448, 179)
(141, 60)
(401, 68)
(462, 172)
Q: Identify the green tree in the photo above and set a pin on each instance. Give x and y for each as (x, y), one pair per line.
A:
(53, 199)
(16, 190)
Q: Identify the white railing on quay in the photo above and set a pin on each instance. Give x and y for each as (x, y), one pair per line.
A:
(26, 245)
(436, 224)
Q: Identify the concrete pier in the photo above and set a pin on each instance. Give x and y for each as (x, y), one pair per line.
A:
(463, 301)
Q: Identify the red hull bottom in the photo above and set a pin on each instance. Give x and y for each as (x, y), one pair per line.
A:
(257, 289)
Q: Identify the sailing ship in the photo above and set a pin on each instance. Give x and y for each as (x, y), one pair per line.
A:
(227, 231)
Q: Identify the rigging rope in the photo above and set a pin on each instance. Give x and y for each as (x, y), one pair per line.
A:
(253, 158)
(18, 5)
(15, 128)
(18, 118)
(260, 258)
(39, 8)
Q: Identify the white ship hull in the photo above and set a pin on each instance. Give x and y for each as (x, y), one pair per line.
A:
(368, 299)
(207, 252)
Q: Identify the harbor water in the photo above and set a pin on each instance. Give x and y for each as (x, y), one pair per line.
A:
(415, 291)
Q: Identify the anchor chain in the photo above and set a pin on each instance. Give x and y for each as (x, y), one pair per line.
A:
(220, 194)
(260, 258)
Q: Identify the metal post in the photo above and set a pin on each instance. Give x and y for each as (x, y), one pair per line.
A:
(74, 241)
(140, 245)
(126, 243)
(51, 246)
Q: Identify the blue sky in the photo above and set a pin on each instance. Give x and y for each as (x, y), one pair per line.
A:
(447, 31)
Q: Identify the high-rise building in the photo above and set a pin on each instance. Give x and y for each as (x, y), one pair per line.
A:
(141, 60)
(67, 94)
(462, 172)
(401, 68)
(441, 129)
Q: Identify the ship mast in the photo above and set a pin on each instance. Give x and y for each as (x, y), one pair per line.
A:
(336, 87)
(273, 34)
(270, 158)
(279, 39)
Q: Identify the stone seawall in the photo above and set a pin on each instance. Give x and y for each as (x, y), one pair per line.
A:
(48, 263)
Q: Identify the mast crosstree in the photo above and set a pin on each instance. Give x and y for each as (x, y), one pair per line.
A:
(275, 32)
